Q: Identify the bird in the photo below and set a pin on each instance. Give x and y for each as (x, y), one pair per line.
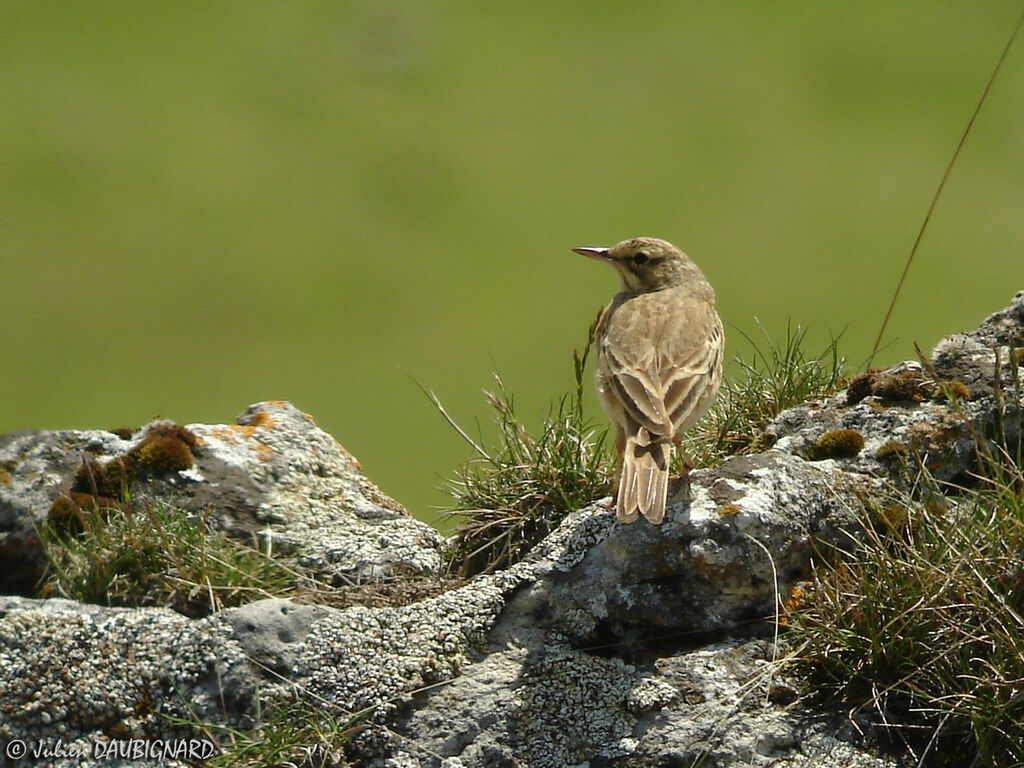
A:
(658, 364)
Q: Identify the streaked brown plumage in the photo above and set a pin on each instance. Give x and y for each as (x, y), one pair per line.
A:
(659, 348)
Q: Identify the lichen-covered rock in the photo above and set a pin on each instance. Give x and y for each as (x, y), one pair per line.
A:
(36, 465)
(725, 705)
(610, 645)
(911, 413)
(971, 358)
(722, 558)
(307, 496)
(733, 707)
(84, 675)
(273, 474)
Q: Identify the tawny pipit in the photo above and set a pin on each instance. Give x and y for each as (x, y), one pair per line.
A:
(659, 351)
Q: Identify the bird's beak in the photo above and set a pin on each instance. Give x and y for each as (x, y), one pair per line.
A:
(601, 254)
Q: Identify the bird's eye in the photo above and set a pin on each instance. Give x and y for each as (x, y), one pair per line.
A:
(640, 258)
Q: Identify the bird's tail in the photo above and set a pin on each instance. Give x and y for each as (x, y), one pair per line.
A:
(643, 485)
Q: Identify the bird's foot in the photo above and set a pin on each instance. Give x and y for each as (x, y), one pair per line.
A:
(679, 485)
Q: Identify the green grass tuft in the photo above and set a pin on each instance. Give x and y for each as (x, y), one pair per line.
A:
(512, 496)
(297, 734)
(923, 626)
(777, 376)
(155, 554)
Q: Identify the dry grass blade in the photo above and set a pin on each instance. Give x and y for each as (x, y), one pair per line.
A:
(938, 190)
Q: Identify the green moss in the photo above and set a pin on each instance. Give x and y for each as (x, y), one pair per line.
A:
(892, 517)
(63, 512)
(902, 386)
(68, 511)
(165, 448)
(860, 386)
(5, 476)
(162, 454)
(837, 444)
(110, 480)
(892, 451)
(169, 429)
(952, 389)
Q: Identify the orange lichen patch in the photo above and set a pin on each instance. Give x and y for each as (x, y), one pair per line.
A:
(798, 597)
(729, 510)
(345, 450)
(263, 450)
(239, 433)
(262, 419)
(285, 404)
(233, 433)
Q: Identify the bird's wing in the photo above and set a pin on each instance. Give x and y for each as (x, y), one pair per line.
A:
(642, 394)
(686, 384)
(658, 360)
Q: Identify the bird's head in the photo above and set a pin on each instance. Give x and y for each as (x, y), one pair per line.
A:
(646, 263)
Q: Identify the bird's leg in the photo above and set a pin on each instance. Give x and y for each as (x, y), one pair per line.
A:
(681, 483)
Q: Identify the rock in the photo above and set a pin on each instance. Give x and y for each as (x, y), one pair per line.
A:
(553, 688)
(274, 475)
(33, 465)
(84, 674)
(971, 357)
(721, 559)
(271, 632)
(902, 416)
(609, 645)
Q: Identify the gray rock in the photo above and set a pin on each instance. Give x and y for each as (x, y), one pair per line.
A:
(82, 675)
(33, 466)
(971, 357)
(308, 498)
(274, 475)
(555, 689)
(897, 432)
(722, 558)
(609, 645)
(271, 632)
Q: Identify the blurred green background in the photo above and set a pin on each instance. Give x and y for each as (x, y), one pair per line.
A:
(203, 205)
